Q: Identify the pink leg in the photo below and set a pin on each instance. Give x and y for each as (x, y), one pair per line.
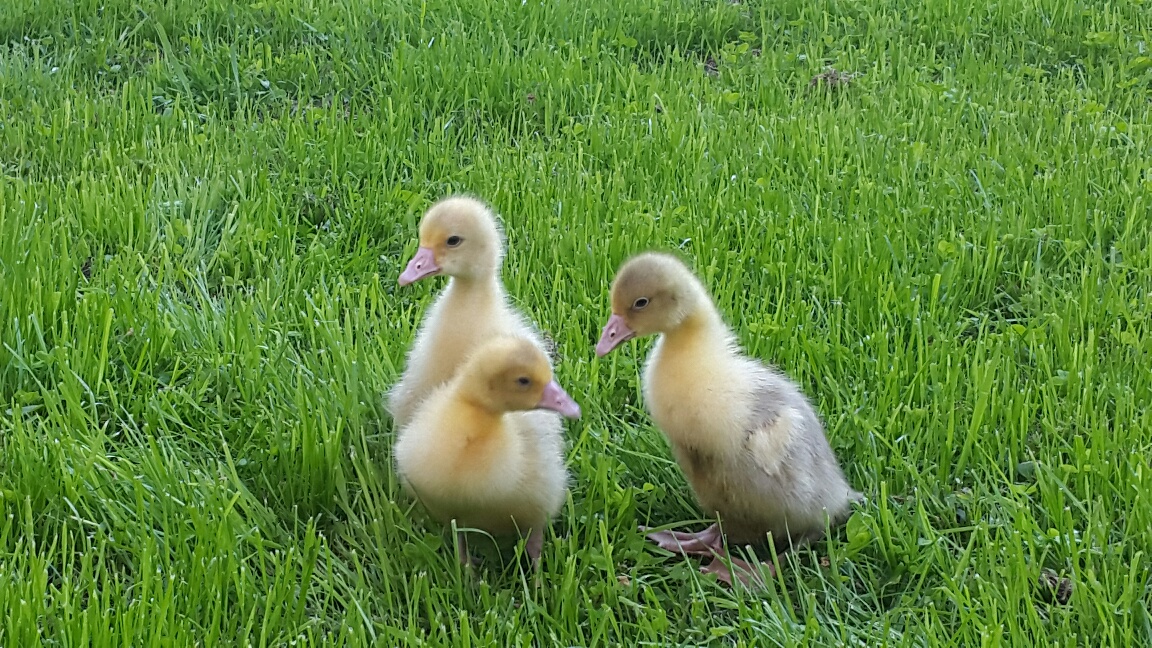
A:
(534, 545)
(462, 550)
(703, 543)
(745, 572)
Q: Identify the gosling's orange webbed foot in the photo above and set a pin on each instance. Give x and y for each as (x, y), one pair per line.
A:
(702, 543)
(747, 573)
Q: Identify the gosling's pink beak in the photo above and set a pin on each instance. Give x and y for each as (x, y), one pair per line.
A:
(421, 265)
(616, 332)
(558, 400)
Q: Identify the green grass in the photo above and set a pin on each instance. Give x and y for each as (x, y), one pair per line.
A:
(204, 208)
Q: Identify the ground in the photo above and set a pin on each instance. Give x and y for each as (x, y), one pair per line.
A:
(933, 215)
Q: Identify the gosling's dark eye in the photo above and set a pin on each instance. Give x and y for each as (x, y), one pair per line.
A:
(523, 381)
(640, 303)
(454, 241)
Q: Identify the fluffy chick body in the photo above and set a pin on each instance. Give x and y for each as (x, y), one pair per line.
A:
(472, 308)
(479, 452)
(749, 442)
(503, 475)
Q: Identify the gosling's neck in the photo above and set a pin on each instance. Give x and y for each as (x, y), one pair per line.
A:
(701, 330)
(483, 284)
(476, 418)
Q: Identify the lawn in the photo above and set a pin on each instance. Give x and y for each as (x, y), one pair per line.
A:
(204, 208)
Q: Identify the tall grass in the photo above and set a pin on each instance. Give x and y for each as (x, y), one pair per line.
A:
(204, 208)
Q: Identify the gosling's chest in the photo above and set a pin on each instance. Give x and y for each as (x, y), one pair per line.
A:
(695, 402)
(453, 341)
(682, 401)
(674, 408)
